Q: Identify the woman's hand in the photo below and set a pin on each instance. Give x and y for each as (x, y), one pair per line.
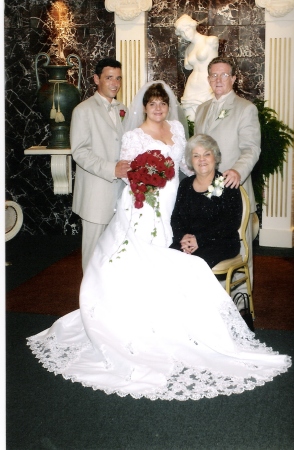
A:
(189, 243)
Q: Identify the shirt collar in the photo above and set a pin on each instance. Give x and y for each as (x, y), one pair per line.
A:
(106, 103)
(222, 98)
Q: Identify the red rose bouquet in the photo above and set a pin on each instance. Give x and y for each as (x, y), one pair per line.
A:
(149, 172)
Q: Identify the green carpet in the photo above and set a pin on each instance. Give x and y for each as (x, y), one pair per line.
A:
(45, 411)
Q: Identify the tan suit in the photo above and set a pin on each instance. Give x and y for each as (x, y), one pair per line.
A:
(95, 144)
(238, 137)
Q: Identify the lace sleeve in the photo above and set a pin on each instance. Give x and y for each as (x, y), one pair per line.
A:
(131, 145)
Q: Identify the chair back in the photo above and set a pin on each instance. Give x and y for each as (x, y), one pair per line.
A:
(13, 219)
(244, 222)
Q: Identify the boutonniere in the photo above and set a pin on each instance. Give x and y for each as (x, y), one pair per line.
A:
(216, 187)
(122, 114)
(224, 113)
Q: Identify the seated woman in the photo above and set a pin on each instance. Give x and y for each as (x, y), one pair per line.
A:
(207, 215)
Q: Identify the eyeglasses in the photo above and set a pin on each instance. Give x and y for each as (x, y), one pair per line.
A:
(222, 76)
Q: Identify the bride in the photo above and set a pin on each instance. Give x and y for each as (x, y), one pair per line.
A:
(154, 322)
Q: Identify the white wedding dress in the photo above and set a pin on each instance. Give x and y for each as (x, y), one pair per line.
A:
(153, 321)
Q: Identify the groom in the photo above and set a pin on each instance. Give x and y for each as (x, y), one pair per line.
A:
(95, 136)
(233, 122)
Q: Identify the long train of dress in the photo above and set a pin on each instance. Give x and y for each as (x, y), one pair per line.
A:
(153, 321)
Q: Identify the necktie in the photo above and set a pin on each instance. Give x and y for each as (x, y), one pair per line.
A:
(211, 116)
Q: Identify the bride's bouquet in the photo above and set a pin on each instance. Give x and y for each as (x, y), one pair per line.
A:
(149, 172)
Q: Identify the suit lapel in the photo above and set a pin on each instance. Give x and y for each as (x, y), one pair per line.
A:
(119, 128)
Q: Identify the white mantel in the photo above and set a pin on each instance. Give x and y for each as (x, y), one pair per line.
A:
(60, 166)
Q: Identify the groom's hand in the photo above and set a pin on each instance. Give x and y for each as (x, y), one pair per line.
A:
(122, 168)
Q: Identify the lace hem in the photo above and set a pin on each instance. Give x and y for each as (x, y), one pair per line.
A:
(182, 384)
(56, 357)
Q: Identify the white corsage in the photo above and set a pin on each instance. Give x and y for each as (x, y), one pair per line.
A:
(216, 187)
(224, 113)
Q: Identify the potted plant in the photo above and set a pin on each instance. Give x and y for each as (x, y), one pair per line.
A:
(276, 138)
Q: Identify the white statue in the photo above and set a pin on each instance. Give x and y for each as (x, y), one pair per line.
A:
(198, 55)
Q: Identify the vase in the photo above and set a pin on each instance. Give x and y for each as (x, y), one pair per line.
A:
(57, 98)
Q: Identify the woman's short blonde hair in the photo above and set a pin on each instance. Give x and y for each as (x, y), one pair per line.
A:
(206, 142)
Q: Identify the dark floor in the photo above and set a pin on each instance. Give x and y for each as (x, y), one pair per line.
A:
(28, 255)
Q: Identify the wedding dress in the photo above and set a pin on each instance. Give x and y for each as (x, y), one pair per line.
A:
(154, 322)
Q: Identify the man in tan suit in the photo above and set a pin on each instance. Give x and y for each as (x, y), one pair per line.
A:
(233, 122)
(95, 136)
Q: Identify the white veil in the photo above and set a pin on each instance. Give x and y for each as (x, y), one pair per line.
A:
(135, 113)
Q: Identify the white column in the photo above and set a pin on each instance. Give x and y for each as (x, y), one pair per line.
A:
(131, 51)
(131, 43)
(277, 213)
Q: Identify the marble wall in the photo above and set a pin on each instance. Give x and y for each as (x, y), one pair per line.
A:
(30, 28)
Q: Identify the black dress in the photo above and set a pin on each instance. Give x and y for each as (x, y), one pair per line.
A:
(214, 221)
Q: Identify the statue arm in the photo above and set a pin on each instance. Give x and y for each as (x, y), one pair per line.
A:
(213, 42)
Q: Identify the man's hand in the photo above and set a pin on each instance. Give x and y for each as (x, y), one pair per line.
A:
(189, 243)
(122, 168)
(232, 178)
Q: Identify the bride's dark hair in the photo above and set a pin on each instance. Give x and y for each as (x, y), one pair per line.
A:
(156, 90)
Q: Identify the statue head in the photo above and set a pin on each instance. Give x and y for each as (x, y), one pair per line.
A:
(183, 23)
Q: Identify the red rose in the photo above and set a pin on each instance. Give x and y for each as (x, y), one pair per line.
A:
(142, 187)
(122, 113)
(169, 162)
(138, 205)
(169, 173)
(134, 186)
(140, 197)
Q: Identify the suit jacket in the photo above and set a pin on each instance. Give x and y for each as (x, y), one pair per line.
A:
(95, 144)
(237, 135)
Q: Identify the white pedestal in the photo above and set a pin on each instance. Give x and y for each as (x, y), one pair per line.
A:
(60, 166)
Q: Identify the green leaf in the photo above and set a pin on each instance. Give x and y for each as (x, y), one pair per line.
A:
(276, 138)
